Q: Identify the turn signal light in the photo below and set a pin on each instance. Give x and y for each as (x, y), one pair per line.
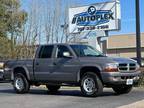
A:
(111, 67)
(111, 70)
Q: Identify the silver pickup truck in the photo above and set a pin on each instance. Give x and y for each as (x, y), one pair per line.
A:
(56, 65)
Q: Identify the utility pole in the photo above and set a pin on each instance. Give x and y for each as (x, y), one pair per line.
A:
(65, 28)
(138, 37)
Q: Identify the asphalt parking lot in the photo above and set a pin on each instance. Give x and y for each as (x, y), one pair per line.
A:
(68, 98)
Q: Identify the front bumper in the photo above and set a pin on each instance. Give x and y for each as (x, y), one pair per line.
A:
(120, 78)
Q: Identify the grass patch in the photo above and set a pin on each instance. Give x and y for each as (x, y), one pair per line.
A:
(141, 83)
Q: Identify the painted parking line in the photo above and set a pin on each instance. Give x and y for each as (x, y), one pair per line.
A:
(138, 104)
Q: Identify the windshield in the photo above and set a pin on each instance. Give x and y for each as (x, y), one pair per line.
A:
(86, 51)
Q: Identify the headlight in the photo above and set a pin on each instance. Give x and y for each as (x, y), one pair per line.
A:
(111, 67)
(137, 66)
(142, 64)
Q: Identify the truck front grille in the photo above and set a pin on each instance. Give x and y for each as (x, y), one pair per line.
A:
(125, 67)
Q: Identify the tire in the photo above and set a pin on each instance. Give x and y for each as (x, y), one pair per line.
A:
(91, 85)
(122, 89)
(21, 84)
(53, 88)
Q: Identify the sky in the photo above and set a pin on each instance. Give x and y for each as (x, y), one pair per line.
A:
(127, 13)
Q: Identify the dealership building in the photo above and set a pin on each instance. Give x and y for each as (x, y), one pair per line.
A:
(124, 45)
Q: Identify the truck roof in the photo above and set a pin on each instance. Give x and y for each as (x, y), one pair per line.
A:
(61, 44)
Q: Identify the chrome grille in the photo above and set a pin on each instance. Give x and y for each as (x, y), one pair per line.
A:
(125, 67)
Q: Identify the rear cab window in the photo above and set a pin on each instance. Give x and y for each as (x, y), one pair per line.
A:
(46, 51)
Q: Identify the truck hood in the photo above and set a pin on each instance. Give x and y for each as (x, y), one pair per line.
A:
(123, 60)
(104, 60)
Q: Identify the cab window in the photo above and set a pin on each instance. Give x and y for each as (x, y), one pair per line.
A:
(61, 49)
(46, 51)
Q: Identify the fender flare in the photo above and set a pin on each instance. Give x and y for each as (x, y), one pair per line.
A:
(24, 68)
(95, 66)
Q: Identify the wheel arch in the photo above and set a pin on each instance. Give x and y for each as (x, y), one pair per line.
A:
(20, 69)
(94, 69)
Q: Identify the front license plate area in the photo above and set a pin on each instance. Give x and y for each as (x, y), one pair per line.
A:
(129, 82)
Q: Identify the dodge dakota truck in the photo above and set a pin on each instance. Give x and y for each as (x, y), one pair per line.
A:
(57, 65)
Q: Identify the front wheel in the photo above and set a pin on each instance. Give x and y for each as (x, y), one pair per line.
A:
(122, 89)
(20, 83)
(91, 85)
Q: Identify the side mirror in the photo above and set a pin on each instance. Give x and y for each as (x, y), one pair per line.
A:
(67, 55)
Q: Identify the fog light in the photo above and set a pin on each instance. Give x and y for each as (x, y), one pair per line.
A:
(136, 78)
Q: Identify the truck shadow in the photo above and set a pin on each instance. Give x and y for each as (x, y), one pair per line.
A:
(107, 97)
(76, 93)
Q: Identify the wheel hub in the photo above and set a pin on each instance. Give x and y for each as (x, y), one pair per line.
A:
(19, 84)
(89, 85)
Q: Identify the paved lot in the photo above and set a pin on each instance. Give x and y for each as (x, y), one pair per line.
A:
(71, 98)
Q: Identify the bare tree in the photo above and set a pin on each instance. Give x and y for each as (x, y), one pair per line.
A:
(44, 25)
(54, 17)
(31, 32)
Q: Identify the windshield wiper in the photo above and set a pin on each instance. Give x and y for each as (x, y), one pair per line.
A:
(95, 55)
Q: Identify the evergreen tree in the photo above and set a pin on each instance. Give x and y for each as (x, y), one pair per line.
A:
(12, 19)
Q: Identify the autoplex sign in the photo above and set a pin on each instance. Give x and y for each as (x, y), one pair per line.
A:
(100, 16)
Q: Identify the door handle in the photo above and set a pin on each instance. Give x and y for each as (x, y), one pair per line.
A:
(37, 63)
(54, 63)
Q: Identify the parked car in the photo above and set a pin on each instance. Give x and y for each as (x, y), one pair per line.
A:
(1, 70)
(56, 65)
(142, 61)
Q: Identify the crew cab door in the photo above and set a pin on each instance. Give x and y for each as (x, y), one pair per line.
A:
(65, 66)
(43, 64)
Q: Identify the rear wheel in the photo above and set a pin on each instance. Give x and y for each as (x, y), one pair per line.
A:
(20, 83)
(53, 88)
(91, 85)
(122, 89)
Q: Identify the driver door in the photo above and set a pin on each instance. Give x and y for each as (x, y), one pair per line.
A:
(65, 67)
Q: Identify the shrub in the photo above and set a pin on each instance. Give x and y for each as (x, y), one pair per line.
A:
(141, 83)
